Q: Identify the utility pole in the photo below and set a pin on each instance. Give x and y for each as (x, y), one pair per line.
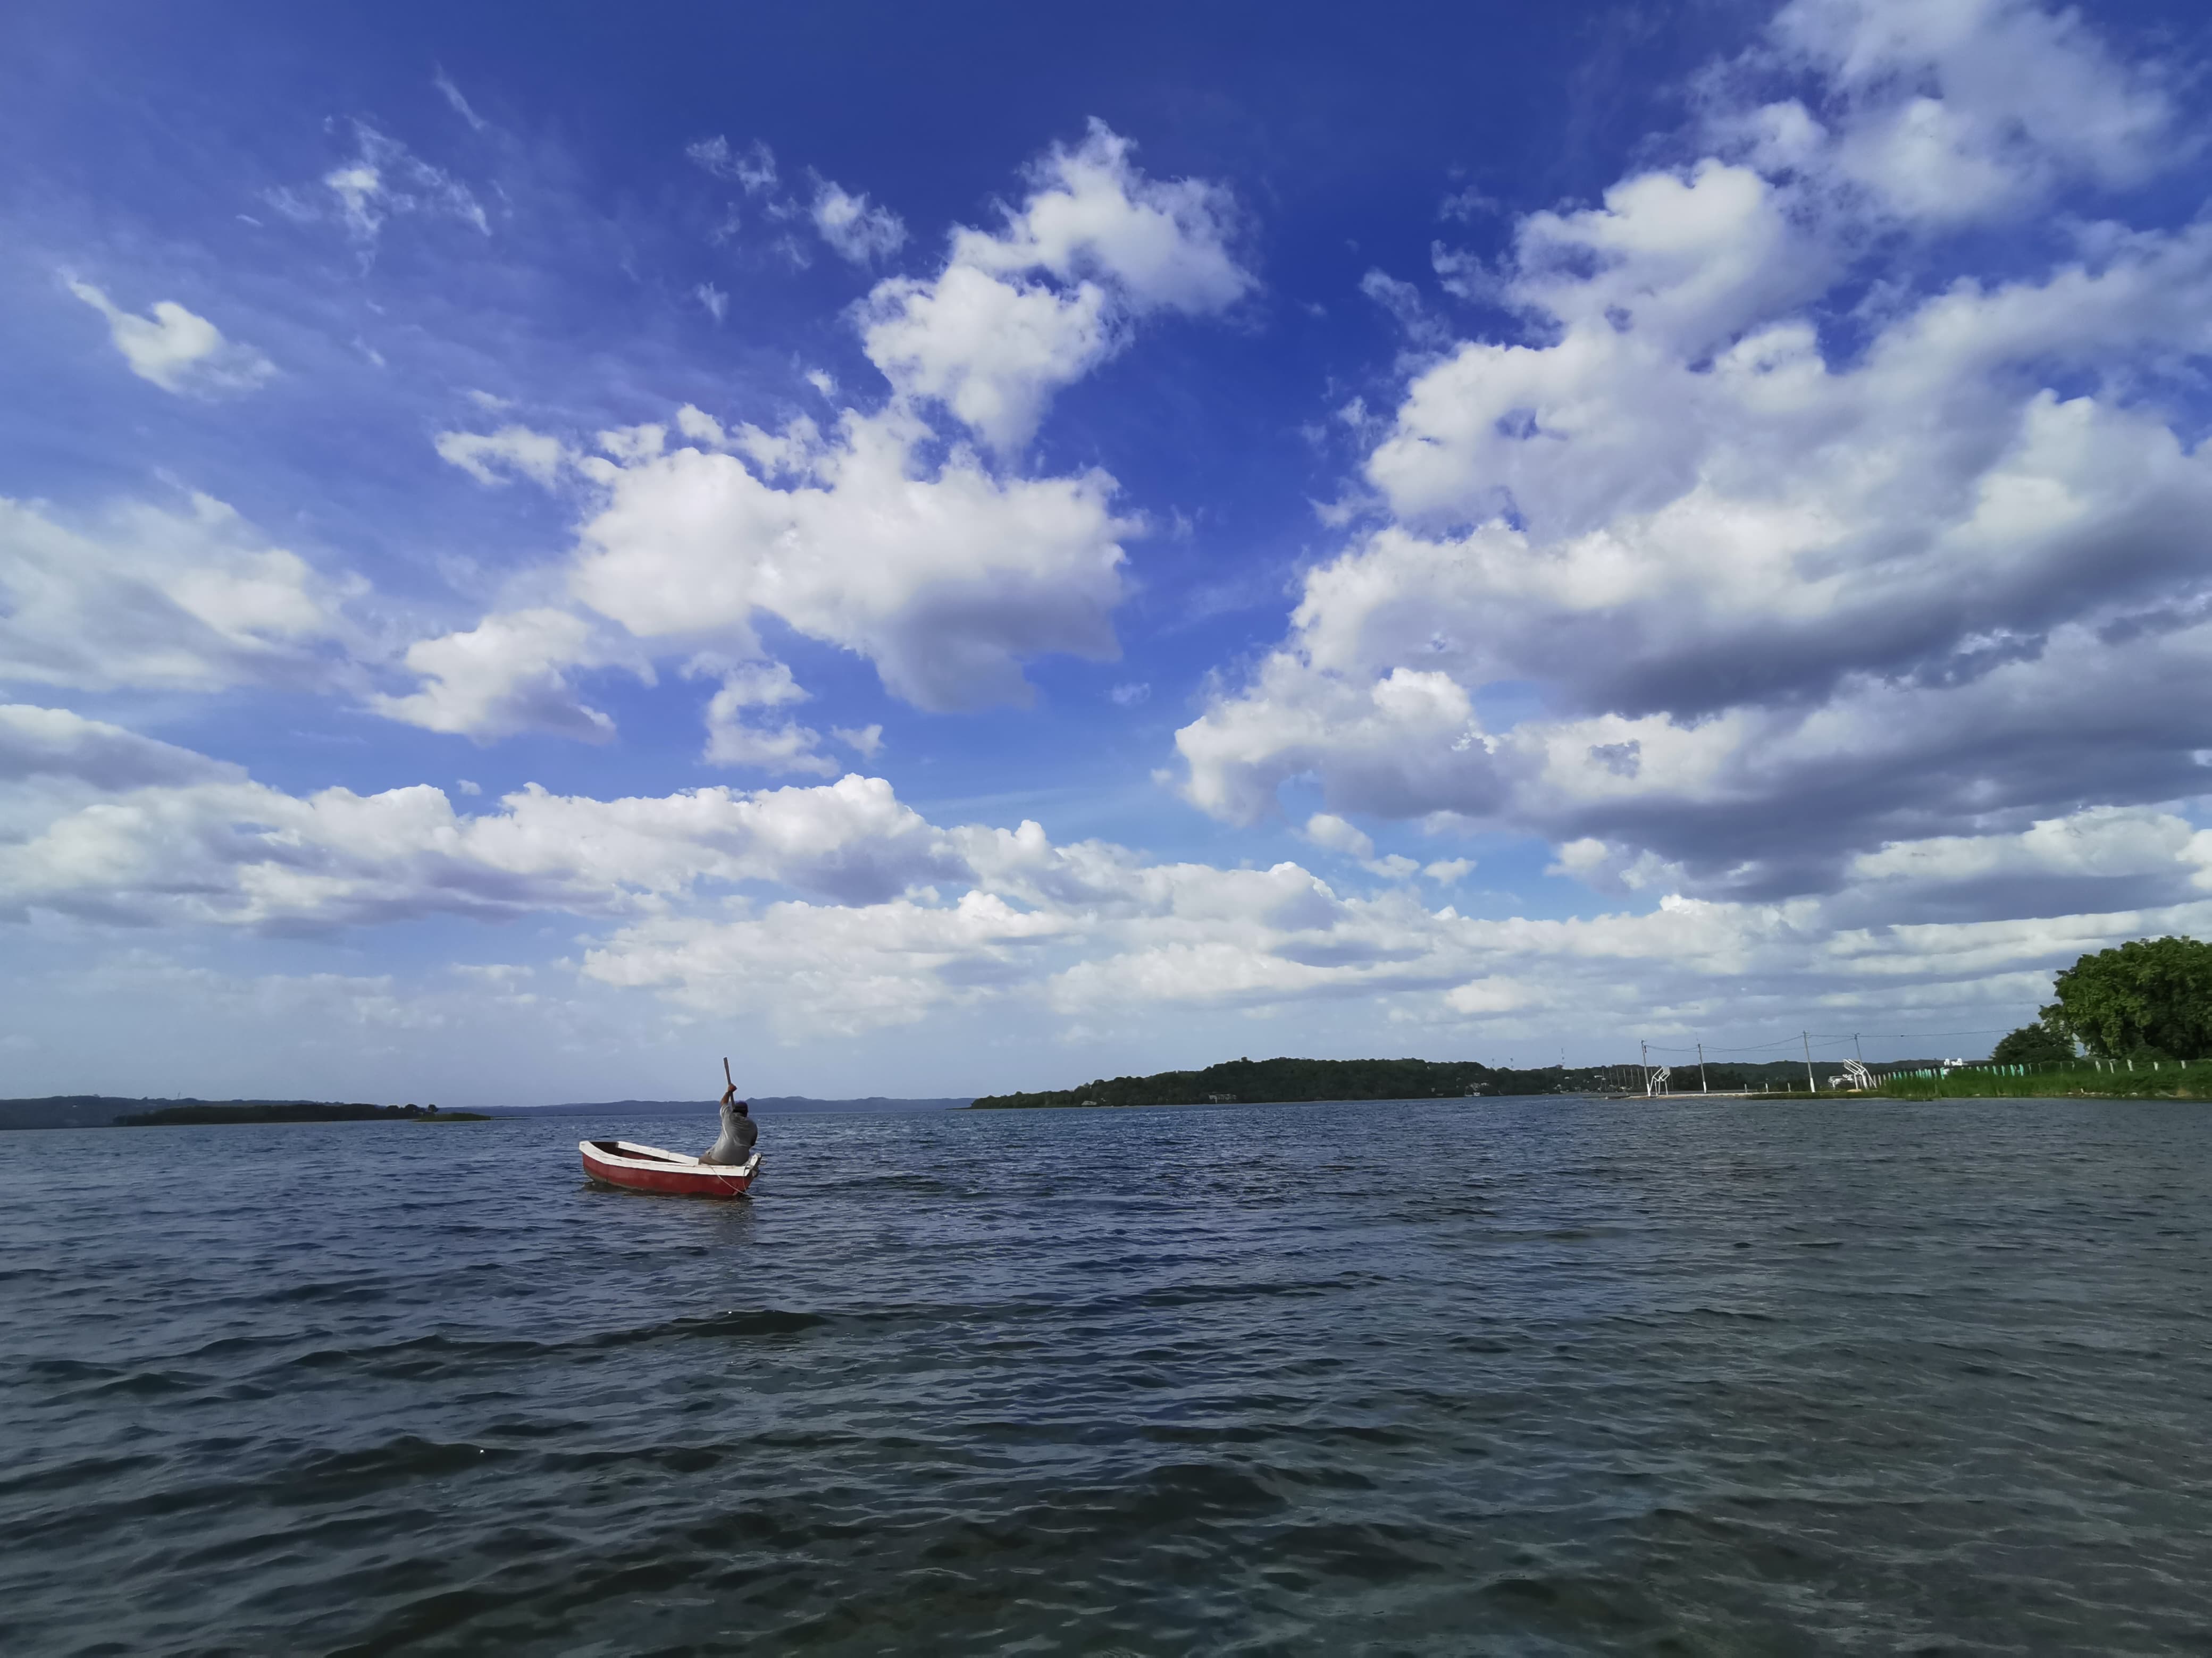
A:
(1703, 1087)
(1646, 1067)
(1806, 1037)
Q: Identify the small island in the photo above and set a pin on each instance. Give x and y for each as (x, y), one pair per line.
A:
(116, 1111)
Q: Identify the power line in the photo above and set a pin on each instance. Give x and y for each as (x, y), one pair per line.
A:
(1912, 1036)
(1755, 1047)
(1842, 1036)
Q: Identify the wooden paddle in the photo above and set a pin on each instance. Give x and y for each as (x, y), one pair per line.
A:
(725, 1074)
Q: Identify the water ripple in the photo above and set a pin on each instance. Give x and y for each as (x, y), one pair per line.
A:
(1522, 1377)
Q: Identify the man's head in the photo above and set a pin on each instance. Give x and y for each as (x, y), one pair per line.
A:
(743, 1109)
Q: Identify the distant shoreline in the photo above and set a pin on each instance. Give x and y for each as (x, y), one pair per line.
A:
(258, 1111)
(115, 1111)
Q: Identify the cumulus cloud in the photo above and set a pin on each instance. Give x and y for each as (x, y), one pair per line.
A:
(2101, 858)
(157, 599)
(943, 581)
(177, 350)
(510, 673)
(732, 740)
(835, 907)
(167, 836)
(1326, 830)
(51, 743)
(871, 535)
(826, 968)
(1022, 310)
(945, 578)
(992, 351)
(1782, 602)
(1951, 112)
(1162, 244)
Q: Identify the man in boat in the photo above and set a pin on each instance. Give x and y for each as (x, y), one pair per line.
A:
(739, 1131)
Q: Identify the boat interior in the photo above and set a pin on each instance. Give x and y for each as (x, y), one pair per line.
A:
(642, 1153)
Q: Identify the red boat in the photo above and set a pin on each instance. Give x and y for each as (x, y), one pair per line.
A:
(649, 1168)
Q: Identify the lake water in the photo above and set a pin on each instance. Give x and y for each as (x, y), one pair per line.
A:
(1493, 1376)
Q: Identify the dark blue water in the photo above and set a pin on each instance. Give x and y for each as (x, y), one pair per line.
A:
(1505, 1377)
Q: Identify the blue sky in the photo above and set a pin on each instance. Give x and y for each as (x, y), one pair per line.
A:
(938, 554)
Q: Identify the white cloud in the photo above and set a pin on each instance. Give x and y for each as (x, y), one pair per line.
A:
(945, 581)
(866, 740)
(50, 742)
(1334, 834)
(493, 457)
(992, 339)
(755, 684)
(753, 167)
(822, 967)
(836, 908)
(177, 350)
(1423, 327)
(160, 599)
(1130, 696)
(2101, 841)
(731, 741)
(1961, 109)
(1778, 604)
(384, 179)
(855, 231)
(777, 749)
(717, 302)
(148, 834)
(873, 537)
(1163, 244)
(459, 105)
(991, 351)
(508, 674)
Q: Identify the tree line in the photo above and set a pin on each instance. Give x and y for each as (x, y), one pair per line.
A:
(1254, 1081)
(2149, 998)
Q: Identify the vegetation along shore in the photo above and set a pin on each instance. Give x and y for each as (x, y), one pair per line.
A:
(2134, 1022)
(1288, 1081)
(110, 1111)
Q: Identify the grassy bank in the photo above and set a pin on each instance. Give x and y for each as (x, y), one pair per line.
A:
(2103, 1079)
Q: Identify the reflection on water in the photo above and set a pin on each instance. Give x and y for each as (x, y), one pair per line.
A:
(1524, 1377)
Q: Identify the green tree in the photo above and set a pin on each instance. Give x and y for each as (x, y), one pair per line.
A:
(2032, 1044)
(2150, 997)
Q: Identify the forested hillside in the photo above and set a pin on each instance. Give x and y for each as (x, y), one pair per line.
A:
(1258, 1080)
